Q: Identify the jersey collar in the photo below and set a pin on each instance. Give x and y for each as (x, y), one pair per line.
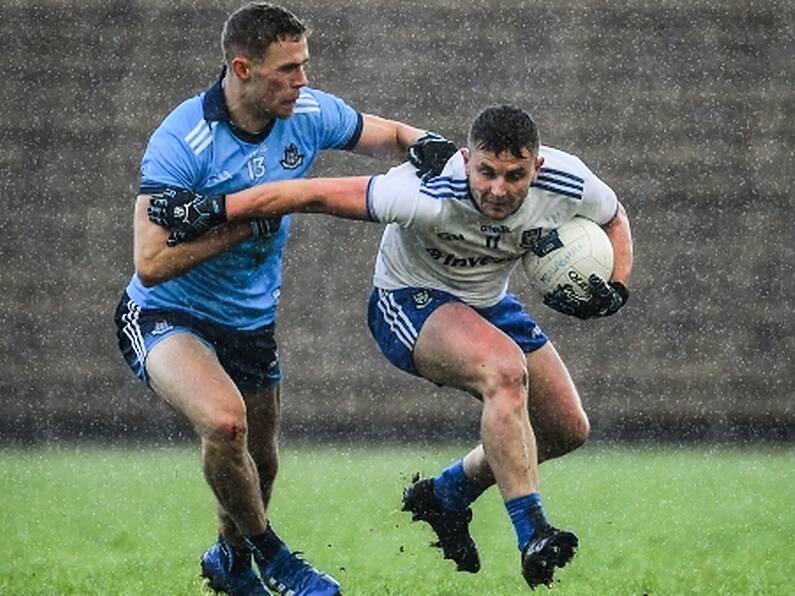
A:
(216, 110)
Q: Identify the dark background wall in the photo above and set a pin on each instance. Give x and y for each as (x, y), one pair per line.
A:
(685, 108)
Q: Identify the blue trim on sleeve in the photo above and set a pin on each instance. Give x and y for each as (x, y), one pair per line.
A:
(559, 191)
(560, 182)
(446, 182)
(562, 173)
(369, 200)
(445, 187)
(357, 133)
(552, 180)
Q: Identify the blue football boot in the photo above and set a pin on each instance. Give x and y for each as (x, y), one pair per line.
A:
(288, 574)
(218, 569)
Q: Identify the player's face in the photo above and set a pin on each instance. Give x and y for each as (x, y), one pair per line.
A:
(499, 182)
(276, 80)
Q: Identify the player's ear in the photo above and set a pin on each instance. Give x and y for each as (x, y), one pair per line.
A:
(539, 163)
(241, 68)
(465, 153)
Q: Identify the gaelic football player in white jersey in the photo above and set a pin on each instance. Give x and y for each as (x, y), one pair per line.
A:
(440, 307)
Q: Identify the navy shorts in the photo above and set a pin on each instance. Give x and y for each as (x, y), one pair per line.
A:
(250, 358)
(395, 318)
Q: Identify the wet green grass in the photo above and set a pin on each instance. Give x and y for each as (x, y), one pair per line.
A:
(91, 520)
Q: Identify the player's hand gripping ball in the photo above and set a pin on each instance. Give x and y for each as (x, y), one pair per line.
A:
(606, 298)
(569, 267)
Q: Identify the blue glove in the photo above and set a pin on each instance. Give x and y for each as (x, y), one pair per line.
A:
(606, 299)
(430, 153)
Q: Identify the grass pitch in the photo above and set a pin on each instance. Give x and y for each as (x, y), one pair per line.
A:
(92, 520)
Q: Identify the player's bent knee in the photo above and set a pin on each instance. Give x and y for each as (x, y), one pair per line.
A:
(579, 433)
(573, 435)
(506, 381)
(226, 428)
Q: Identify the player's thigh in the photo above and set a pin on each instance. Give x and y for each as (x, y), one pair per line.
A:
(458, 347)
(553, 402)
(186, 373)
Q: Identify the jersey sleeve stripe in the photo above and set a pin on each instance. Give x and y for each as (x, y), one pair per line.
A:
(201, 140)
(306, 104)
(443, 193)
(305, 97)
(207, 142)
(562, 173)
(444, 187)
(196, 130)
(556, 190)
(446, 182)
(552, 180)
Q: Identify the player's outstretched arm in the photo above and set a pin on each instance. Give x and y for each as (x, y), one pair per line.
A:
(386, 139)
(156, 262)
(342, 197)
(189, 215)
(427, 151)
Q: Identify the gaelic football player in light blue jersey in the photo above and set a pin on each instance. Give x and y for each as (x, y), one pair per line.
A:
(440, 307)
(196, 321)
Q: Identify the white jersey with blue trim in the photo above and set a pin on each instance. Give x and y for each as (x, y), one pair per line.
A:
(199, 149)
(438, 238)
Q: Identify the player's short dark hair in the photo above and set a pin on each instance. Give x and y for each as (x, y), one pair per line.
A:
(253, 27)
(504, 128)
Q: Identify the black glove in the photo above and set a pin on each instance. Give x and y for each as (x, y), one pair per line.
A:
(264, 227)
(606, 299)
(430, 153)
(187, 214)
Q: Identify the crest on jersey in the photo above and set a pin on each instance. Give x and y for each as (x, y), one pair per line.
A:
(421, 298)
(538, 244)
(292, 157)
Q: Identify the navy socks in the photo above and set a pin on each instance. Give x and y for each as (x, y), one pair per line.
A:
(266, 544)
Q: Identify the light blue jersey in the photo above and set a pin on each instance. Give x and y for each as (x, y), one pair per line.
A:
(197, 148)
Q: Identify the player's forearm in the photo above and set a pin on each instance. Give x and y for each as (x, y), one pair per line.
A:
(156, 262)
(406, 136)
(342, 197)
(620, 235)
(386, 139)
